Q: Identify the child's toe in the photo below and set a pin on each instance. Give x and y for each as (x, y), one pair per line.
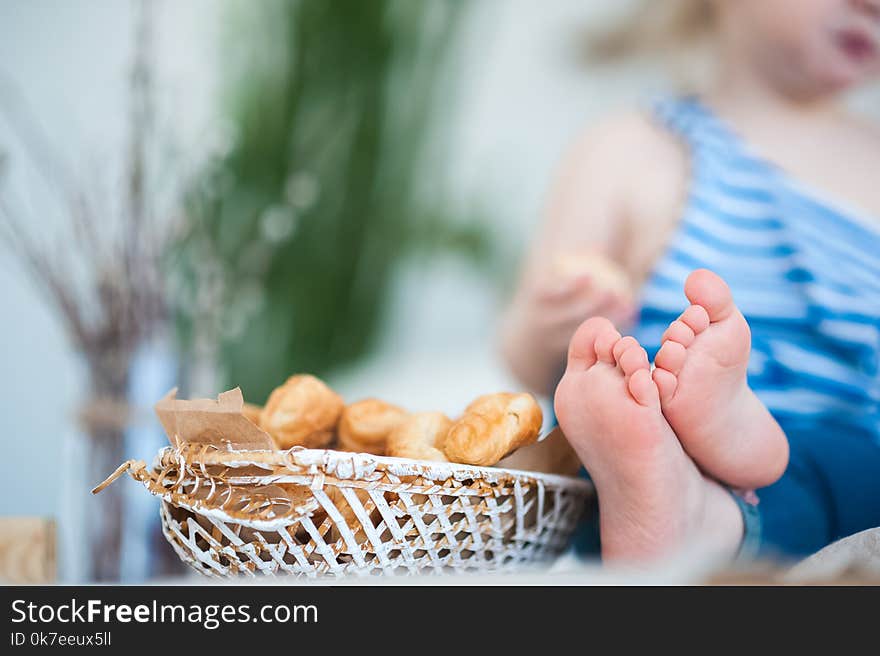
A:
(582, 348)
(642, 388)
(605, 342)
(707, 289)
(696, 318)
(671, 357)
(632, 359)
(666, 383)
(678, 331)
(622, 345)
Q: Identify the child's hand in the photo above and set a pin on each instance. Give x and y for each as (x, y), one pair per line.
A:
(557, 294)
(574, 288)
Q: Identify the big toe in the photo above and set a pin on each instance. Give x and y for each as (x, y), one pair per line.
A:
(708, 290)
(583, 346)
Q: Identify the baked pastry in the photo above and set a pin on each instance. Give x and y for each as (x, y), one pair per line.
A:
(365, 425)
(252, 412)
(349, 517)
(302, 412)
(605, 272)
(420, 436)
(493, 426)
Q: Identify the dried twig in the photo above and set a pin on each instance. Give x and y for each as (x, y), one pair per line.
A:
(122, 300)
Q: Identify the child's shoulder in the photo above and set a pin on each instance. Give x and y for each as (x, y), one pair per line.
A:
(633, 155)
(625, 135)
(623, 146)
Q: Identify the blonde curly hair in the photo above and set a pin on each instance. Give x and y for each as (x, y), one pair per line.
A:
(655, 27)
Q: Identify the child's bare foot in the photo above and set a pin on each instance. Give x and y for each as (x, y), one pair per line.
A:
(652, 498)
(700, 371)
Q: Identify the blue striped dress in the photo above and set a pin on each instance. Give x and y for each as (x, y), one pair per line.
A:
(805, 271)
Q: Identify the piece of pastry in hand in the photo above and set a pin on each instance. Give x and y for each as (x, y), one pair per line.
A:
(365, 425)
(252, 412)
(493, 426)
(605, 272)
(420, 436)
(302, 412)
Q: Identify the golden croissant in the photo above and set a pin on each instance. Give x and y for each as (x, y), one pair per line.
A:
(493, 426)
(302, 412)
(420, 436)
(365, 425)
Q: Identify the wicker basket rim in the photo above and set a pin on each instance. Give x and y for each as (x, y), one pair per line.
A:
(345, 465)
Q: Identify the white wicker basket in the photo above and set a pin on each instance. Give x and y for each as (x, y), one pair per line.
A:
(322, 512)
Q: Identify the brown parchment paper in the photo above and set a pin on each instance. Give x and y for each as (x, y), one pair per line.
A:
(217, 422)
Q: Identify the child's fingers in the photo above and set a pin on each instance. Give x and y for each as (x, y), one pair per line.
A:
(569, 315)
(562, 290)
(625, 311)
(582, 305)
(614, 307)
(567, 319)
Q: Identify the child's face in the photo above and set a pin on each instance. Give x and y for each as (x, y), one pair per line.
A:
(813, 46)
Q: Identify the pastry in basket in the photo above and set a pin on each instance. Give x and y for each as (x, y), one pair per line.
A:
(302, 412)
(227, 510)
(420, 436)
(349, 516)
(493, 426)
(364, 426)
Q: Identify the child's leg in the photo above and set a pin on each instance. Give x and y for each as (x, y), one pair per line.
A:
(831, 489)
(652, 498)
(701, 374)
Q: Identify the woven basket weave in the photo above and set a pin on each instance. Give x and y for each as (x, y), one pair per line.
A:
(320, 512)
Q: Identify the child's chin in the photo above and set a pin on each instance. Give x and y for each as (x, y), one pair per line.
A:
(831, 82)
(845, 75)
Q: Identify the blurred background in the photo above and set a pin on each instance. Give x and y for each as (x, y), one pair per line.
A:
(210, 193)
